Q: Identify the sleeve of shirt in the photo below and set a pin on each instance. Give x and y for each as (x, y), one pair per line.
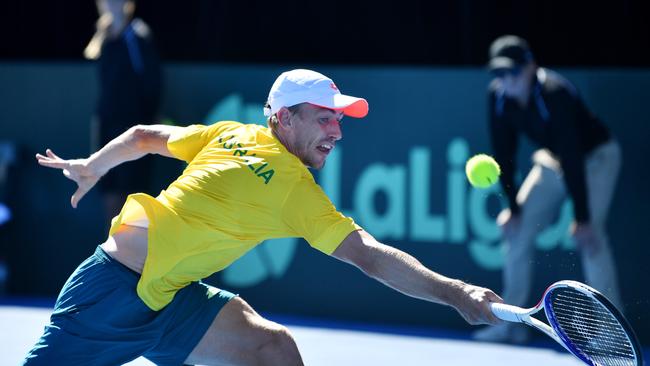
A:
(186, 142)
(311, 215)
(570, 151)
(503, 137)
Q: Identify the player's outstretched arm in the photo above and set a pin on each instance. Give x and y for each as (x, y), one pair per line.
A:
(133, 144)
(406, 274)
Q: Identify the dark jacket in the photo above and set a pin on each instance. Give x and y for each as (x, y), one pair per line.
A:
(555, 118)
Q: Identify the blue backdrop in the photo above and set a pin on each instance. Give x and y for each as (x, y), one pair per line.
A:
(398, 172)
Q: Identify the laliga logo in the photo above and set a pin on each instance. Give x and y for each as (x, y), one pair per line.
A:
(406, 187)
(467, 220)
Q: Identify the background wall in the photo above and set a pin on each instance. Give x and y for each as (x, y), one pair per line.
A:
(399, 172)
(362, 32)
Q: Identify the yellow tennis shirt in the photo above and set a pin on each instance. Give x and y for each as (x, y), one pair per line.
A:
(241, 187)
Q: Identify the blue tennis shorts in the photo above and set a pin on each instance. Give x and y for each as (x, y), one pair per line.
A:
(99, 319)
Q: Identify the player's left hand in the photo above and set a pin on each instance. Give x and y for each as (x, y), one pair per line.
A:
(77, 170)
(474, 305)
(585, 238)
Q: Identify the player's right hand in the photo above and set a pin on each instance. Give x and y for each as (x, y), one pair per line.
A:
(474, 305)
(76, 170)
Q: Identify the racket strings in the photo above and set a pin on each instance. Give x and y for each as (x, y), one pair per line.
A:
(591, 328)
(602, 319)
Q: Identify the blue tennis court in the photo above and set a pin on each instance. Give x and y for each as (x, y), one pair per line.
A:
(332, 343)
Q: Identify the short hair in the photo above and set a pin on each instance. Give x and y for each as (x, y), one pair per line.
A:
(272, 120)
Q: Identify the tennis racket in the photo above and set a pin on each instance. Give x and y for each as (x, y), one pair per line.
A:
(583, 321)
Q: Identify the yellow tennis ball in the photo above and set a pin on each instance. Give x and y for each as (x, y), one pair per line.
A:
(482, 170)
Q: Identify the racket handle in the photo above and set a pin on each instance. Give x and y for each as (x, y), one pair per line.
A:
(506, 312)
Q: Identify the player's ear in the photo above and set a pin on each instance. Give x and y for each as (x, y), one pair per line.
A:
(283, 117)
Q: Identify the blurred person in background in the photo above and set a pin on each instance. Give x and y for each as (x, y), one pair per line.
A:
(140, 293)
(130, 89)
(578, 158)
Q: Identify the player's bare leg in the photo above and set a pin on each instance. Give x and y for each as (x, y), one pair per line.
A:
(240, 336)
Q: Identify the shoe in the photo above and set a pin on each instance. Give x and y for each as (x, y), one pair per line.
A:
(509, 333)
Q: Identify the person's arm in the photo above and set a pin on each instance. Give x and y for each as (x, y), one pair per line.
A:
(503, 138)
(407, 275)
(567, 137)
(94, 48)
(133, 144)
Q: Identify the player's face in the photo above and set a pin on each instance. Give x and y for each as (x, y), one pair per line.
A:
(316, 131)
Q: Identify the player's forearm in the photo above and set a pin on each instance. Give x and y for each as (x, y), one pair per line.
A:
(406, 274)
(125, 147)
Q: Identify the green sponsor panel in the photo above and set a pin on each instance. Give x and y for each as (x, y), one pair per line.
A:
(399, 172)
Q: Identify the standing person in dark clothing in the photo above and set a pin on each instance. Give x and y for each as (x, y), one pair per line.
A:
(578, 158)
(130, 85)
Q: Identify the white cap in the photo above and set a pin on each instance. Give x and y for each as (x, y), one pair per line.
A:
(306, 86)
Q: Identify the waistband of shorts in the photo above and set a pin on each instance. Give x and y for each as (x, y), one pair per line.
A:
(101, 256)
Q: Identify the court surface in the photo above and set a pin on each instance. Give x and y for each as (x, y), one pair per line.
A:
(323, 345)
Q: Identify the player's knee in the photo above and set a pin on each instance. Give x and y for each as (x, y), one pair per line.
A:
(279, 348)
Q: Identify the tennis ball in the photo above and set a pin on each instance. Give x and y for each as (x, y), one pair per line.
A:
(482, 171)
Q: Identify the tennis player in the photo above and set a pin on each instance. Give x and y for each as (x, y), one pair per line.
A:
(140, 292)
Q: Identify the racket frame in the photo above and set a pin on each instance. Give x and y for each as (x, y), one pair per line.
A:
(520, 315)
